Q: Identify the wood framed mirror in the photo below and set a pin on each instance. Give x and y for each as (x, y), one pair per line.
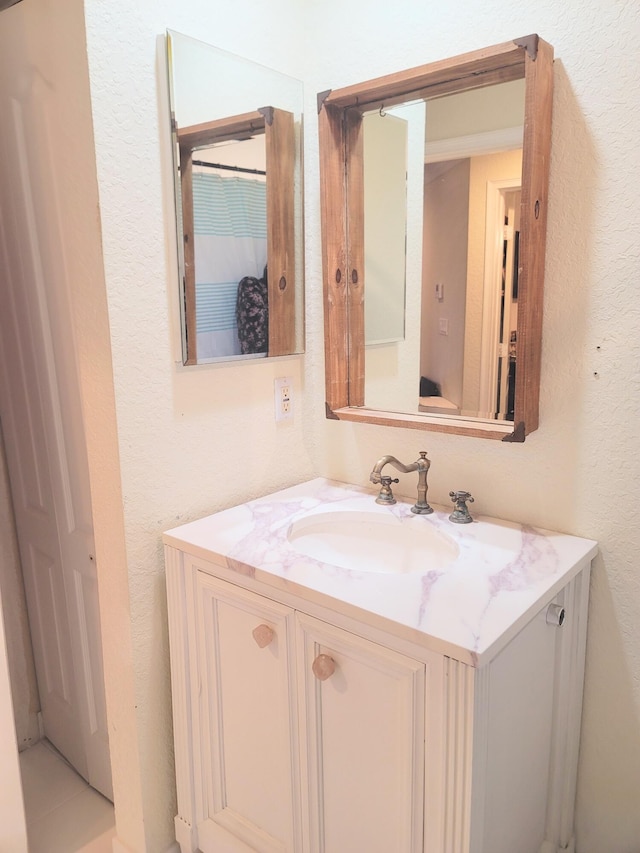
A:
(343, 171)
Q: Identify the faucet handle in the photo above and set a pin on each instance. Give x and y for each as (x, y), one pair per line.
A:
(461, 514)
(386, 495)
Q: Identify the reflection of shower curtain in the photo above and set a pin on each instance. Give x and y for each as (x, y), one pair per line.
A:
(230, 230)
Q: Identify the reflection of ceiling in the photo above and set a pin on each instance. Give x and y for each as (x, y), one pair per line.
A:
(479, 121)
(476, 111)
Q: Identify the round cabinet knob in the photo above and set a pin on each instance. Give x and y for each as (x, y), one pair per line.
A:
(323, 667)
(555, 615)
(263, 635)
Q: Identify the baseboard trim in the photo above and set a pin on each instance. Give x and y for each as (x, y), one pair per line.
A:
(121, 847)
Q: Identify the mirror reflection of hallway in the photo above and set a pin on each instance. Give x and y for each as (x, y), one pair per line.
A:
(466, 321)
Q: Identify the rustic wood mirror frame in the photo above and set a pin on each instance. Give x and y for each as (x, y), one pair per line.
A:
(278, 127)
(341, 174)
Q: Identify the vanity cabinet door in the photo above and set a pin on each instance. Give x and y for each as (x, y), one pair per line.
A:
(246, 758)
(363, 734)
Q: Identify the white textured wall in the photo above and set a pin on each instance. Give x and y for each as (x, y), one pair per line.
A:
(191, 440)
(580, 471)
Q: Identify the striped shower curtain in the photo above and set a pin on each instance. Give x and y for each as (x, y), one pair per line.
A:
(230, 229)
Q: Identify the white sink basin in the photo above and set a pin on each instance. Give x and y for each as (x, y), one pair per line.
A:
(372, 542)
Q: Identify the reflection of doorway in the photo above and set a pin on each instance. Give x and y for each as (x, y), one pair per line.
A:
(500, 300)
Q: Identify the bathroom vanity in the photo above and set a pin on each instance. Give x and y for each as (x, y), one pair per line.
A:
(348, 677)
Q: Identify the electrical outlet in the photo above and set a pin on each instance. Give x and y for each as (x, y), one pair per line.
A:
(284, 398)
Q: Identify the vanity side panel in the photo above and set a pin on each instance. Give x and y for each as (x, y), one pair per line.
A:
(459, 770)
(186, 834)
(516, 713)
(569, 683)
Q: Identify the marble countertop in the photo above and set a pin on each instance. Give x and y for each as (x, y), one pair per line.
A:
(501, 573)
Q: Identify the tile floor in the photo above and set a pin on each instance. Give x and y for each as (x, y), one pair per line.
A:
(64, 815)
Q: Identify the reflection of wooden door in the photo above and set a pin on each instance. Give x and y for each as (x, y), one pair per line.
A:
(43, 430)
(500, 309)
(508, 327)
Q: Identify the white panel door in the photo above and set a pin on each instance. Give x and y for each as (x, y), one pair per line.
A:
(13, 827)
(43, 426)
(246, 759)
(363, 743)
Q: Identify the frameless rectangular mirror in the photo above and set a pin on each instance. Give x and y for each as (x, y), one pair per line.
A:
(237, 143)
(434, 249)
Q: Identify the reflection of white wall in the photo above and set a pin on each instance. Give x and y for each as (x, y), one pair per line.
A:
(385, 216)
(391, 370)
(209, 84)
(489, 167)
(446, 217)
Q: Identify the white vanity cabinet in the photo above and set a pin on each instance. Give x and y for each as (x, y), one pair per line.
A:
(294, 734)
(306, 724)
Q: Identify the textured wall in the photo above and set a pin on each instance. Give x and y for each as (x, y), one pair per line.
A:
(580, 471)
(193, 440)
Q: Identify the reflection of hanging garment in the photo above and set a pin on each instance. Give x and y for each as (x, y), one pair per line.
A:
(252, 314)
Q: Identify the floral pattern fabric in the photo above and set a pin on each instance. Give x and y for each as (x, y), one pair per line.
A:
(252, 314)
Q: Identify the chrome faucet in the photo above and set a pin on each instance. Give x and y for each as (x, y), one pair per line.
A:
(421, 507)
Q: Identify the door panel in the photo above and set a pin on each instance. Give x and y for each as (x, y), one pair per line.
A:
(43, 425)
(248, 731)
(363, 735)
(26, 446)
